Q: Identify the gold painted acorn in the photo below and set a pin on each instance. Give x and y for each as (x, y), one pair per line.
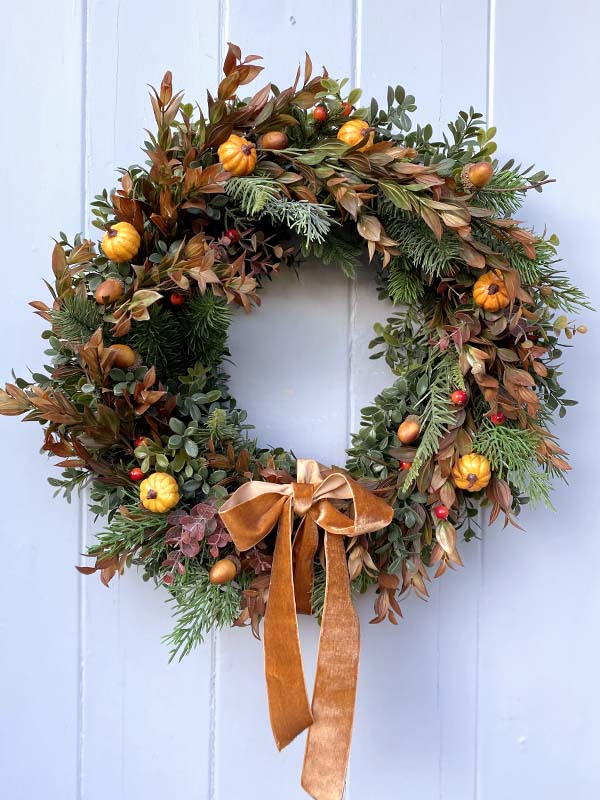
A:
(472, 472)
(108, 292)
(159, 492)
(354, 131)
(274, 140)
(477, 175)
(238, 155)
(223, 571)
(409, 430)
(121, 242)
(125, 356)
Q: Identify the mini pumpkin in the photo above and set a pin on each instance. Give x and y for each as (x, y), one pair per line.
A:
(159, 492)
(354, 131)
(121, 242)
(489, 291)
(238, 155)
(472, 472)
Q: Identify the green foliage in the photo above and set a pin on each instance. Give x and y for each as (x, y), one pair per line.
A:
(205, 321)
(252, 193)
(504, 194)
(76, 319)
(426, 255)
(127, 533)
(159, 341)
(512, 453)
(311, 221)
(435, 412)
(199, 606)
(404, 286)
(347, 255)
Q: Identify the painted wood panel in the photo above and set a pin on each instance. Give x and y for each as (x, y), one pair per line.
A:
(40, 139)
(486, 691)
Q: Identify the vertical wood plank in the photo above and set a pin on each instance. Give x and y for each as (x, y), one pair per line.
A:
(41, 172)
(290, 373)
(147, 723)
(433, 652)
(539, 713)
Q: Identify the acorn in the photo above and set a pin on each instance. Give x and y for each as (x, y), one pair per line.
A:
(108, 292)
(223, 571)
(409, 430)
(477, 175)
(274, 140)
(125, 356)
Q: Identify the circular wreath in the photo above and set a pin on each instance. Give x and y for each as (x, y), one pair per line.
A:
(135, 400)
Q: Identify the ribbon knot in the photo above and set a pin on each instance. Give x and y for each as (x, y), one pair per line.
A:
(303, 497)
(250, 514)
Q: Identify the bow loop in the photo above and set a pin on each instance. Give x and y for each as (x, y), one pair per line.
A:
(250, 514)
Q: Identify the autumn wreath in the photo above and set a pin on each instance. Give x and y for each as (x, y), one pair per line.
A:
(135, 399)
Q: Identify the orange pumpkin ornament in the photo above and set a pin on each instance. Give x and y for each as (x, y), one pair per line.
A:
(489, 291)
(354, 131)
(472, 472)
(159, 492)
(238, 155)
(121, 242)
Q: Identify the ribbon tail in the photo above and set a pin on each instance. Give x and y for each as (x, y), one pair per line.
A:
(328, 742)
(289, 709)
(305, 547)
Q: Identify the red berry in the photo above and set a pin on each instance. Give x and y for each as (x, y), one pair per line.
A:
(405, 464)
(177, 299)
(441, 512)
(347, 109)
(232, 234)
(498, 418)
(459, 397)
(320, 114)
(140, 441)
(136, 474)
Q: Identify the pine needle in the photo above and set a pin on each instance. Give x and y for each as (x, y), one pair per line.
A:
(76, 320)
(199, 606)
(252, 193)
(512, 453)
(312, 221)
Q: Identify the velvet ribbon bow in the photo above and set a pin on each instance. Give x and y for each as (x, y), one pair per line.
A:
(250, 514)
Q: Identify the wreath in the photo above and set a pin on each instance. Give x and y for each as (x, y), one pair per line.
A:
(135, 401)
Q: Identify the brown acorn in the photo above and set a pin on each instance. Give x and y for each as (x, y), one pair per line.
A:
(223, 571)
(409, 430)
(274, 140)
(108, 292)
(125, 356)
(478, 175)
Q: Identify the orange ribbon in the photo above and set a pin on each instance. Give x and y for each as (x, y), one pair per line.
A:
(250, 514)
